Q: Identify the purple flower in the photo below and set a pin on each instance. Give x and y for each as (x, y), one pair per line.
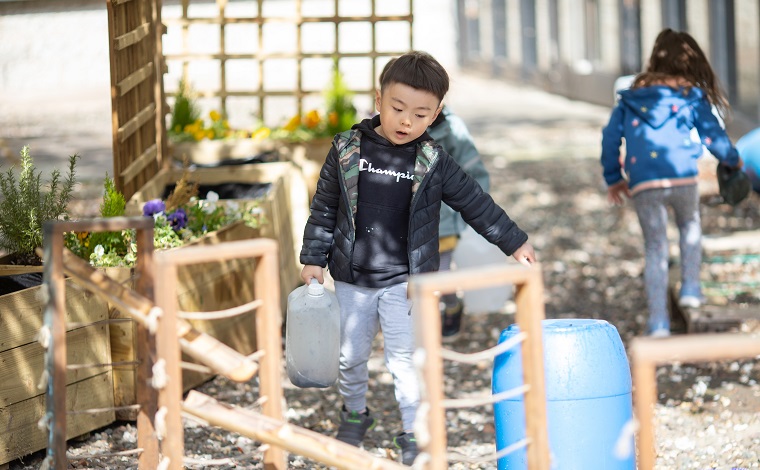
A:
(178, 219)
(152, 207)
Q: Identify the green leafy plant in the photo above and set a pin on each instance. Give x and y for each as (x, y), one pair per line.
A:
(185, 111)
(339, 115)
(188, 125)
(182, 218)
(25, 206)
(113, 205)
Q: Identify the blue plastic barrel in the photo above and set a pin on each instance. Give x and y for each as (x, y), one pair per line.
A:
(588, 397)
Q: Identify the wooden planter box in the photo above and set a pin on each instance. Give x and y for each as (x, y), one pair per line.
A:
(217, 286)
(308, 157)
(22, 362)
(286, 205)
(201, 287)
(213, 152)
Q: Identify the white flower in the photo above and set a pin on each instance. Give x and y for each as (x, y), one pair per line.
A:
(209, 205)
(232, 207)
(99, 251)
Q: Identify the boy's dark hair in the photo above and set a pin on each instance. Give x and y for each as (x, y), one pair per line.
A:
(418, 70)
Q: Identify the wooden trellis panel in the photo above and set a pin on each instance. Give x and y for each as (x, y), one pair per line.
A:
(262, 53)
(137, 103)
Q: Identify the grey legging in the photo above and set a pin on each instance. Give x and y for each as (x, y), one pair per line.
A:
(364, 311)
(652, 210)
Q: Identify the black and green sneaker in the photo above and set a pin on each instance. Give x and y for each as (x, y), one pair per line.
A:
(408, 445)
(451, 321)
(353, 426)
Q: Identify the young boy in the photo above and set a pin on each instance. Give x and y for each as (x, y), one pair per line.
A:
(374, 222)
(450, 131)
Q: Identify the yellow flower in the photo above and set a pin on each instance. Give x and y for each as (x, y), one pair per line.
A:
(312, 119)
(210, 133)
(333, 118)
(214, 115)
(261, 133)
(293, 123)
(199, 134)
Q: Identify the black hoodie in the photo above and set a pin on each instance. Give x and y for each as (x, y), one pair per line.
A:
(382, 216)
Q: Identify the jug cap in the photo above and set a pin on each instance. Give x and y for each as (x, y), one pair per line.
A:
(315, 288)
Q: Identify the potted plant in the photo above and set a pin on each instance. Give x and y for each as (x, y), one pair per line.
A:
(180, 219)
(24, 206)
(307, 138)
(210, 140)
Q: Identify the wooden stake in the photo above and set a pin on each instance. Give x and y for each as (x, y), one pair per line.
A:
(145, 353)
(55, 355)
(424, 290)
(647, 353)
(282, 434)
(200, 346)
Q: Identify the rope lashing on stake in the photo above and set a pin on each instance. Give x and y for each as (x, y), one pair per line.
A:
(159, 379)
(151, 320)
(487, 400)
(220, 314)
(44, 422)
(164, 463)
(160, 422)
(103, 364)
(196, 367)
(43, 336)
(44, 378)
(103, 410)
(474, 358)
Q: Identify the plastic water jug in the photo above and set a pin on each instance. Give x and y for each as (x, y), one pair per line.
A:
(312, 336)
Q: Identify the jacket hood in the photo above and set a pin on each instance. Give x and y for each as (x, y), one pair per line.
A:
(656, 104)
(367, 128)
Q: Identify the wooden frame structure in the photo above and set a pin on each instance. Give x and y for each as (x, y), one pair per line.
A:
(648, 353)
(137, 94)
(163, 335)
(55, 354)
(425, 290)
(260, 55)
(268, 328)
(166, 334)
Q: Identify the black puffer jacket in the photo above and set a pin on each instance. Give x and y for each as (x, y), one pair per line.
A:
(330, 230)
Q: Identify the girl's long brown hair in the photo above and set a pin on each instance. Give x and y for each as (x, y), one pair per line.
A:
(676, 55)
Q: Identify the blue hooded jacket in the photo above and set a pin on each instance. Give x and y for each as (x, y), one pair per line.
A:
(656, 122)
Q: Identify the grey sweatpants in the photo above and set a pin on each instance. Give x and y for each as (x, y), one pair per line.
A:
(363, 311)
(652, 210)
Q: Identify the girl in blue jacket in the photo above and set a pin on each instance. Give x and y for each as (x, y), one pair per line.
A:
(674, 95)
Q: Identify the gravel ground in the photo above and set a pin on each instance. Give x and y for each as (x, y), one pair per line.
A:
(707, 415)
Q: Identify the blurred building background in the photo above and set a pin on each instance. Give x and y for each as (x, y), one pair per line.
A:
(577, 48)
(55, 52)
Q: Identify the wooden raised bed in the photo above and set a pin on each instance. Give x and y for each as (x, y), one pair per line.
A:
(218, 286)
(204, 287)
(286, 205)
(22, 362)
